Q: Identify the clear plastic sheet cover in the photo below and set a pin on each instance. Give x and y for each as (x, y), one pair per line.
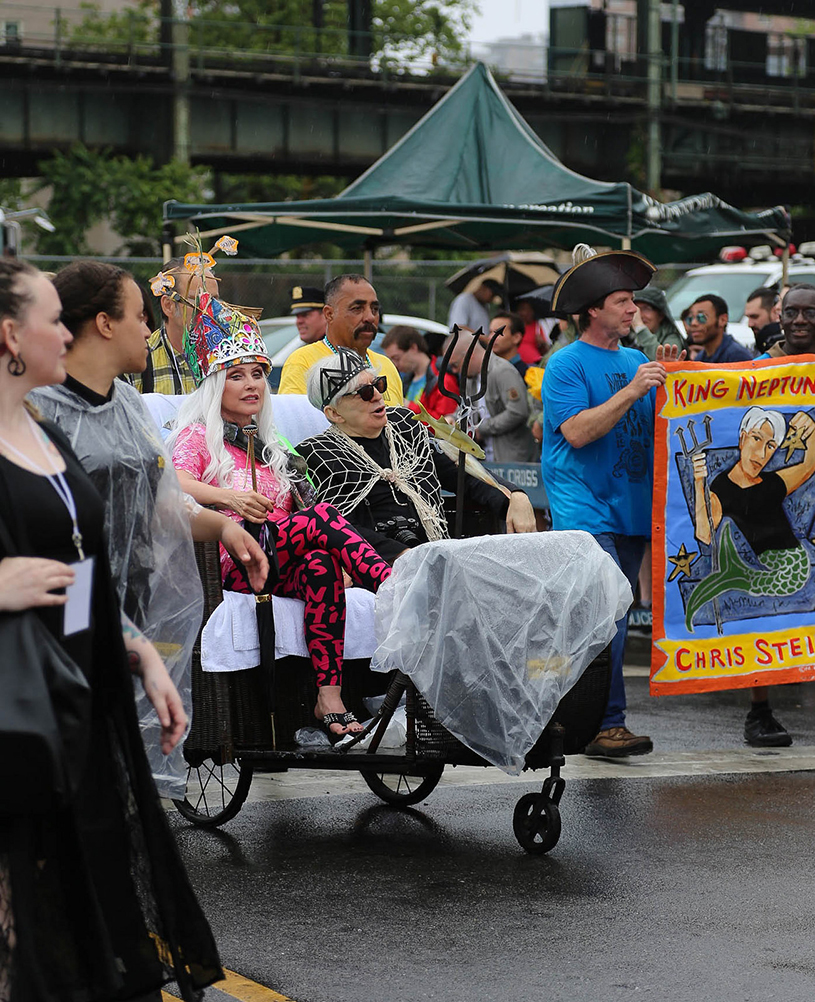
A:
(150, 544)
(495, 630)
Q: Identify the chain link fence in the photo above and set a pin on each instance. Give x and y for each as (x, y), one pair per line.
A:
(415, 288)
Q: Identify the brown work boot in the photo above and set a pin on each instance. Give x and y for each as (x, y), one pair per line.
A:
(618, 742)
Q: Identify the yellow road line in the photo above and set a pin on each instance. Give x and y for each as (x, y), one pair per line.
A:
(241, 988)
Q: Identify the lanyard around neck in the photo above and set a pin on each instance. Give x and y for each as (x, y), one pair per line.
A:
(368, 363)
(57, 481)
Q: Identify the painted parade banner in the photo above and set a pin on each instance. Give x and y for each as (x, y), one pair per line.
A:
(734, 507)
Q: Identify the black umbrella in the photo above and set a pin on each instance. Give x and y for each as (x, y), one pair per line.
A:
(517, 271)
(541, 300)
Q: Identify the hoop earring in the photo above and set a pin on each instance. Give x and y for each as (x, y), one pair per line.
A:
(16, 365)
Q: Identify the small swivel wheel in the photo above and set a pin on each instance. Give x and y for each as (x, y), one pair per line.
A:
(216, 791)
(536, 823)
(402, 789)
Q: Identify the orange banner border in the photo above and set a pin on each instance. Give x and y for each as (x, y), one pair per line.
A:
(753, 675)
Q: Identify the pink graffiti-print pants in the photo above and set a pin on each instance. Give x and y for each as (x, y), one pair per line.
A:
(313, 548)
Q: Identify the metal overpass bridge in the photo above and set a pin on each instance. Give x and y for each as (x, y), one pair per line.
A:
(749, 140)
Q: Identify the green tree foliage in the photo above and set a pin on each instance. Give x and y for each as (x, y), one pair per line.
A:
(255, 25)
(236, 189)
(402, 30)
(88, 186)
(137, 23)
(412, 29)
(11, 194)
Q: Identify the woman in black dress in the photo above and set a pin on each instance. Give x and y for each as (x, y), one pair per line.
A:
(94, 900)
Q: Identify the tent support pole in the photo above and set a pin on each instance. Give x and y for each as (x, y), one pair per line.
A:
(368, 265)
(167, 241)
(626, 243)
(785, 265)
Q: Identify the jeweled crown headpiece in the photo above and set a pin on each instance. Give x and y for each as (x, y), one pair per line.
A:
(348, 365)
(221, 336)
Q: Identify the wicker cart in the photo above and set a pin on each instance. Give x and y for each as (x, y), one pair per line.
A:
(243, 723)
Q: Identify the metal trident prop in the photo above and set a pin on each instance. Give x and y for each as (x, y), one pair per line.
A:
(688, 452)
(464, 402)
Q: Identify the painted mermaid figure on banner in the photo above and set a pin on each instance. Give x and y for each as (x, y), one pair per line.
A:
(753, 498)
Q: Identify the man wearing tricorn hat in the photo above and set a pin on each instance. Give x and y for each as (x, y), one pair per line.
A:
(598, 431)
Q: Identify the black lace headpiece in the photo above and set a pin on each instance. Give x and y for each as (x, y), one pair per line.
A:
(348, 365)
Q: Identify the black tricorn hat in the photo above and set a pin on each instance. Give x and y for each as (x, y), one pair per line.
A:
(598, 276)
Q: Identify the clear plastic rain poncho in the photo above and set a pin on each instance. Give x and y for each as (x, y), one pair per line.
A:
(494, 631)
(147, 522)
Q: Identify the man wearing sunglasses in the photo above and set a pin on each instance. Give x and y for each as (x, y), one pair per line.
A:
(797, 323)
(707, 327)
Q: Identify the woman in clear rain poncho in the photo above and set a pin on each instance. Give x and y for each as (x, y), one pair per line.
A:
(147, 520)
(314, 546)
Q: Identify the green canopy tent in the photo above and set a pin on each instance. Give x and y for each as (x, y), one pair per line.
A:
(472, 175)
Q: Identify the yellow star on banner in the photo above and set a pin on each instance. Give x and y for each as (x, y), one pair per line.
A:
(682, 561)
(793, 440)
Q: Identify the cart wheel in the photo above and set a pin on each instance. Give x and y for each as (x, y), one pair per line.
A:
(215, 792)
(402, 788)
(536, 823)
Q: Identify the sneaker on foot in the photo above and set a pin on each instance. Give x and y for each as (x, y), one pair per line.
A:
(762, 730)
(618, 742)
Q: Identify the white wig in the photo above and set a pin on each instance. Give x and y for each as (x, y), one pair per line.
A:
(755, 418)
(204, 407)
(314, 382)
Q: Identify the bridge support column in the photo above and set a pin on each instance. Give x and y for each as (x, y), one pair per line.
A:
(180, 66)
(653, 171)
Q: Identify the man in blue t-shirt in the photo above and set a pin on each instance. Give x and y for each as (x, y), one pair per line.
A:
(598, 432)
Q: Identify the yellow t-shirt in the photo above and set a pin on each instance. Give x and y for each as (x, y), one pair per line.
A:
(296, 366)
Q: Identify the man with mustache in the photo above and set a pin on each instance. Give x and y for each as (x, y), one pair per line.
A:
(352, 319)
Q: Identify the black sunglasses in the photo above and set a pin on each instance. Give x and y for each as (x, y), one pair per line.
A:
(366, 391)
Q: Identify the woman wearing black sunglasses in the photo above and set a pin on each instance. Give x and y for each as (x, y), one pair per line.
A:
(378, 467)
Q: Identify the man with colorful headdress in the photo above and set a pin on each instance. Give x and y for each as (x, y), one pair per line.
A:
(352, 317)
(167, 369)
(598, 432)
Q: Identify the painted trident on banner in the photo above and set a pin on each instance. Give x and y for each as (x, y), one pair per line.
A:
(688, 452)
(464, 402)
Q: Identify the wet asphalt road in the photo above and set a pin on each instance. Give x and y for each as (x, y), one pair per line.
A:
(674, 889)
